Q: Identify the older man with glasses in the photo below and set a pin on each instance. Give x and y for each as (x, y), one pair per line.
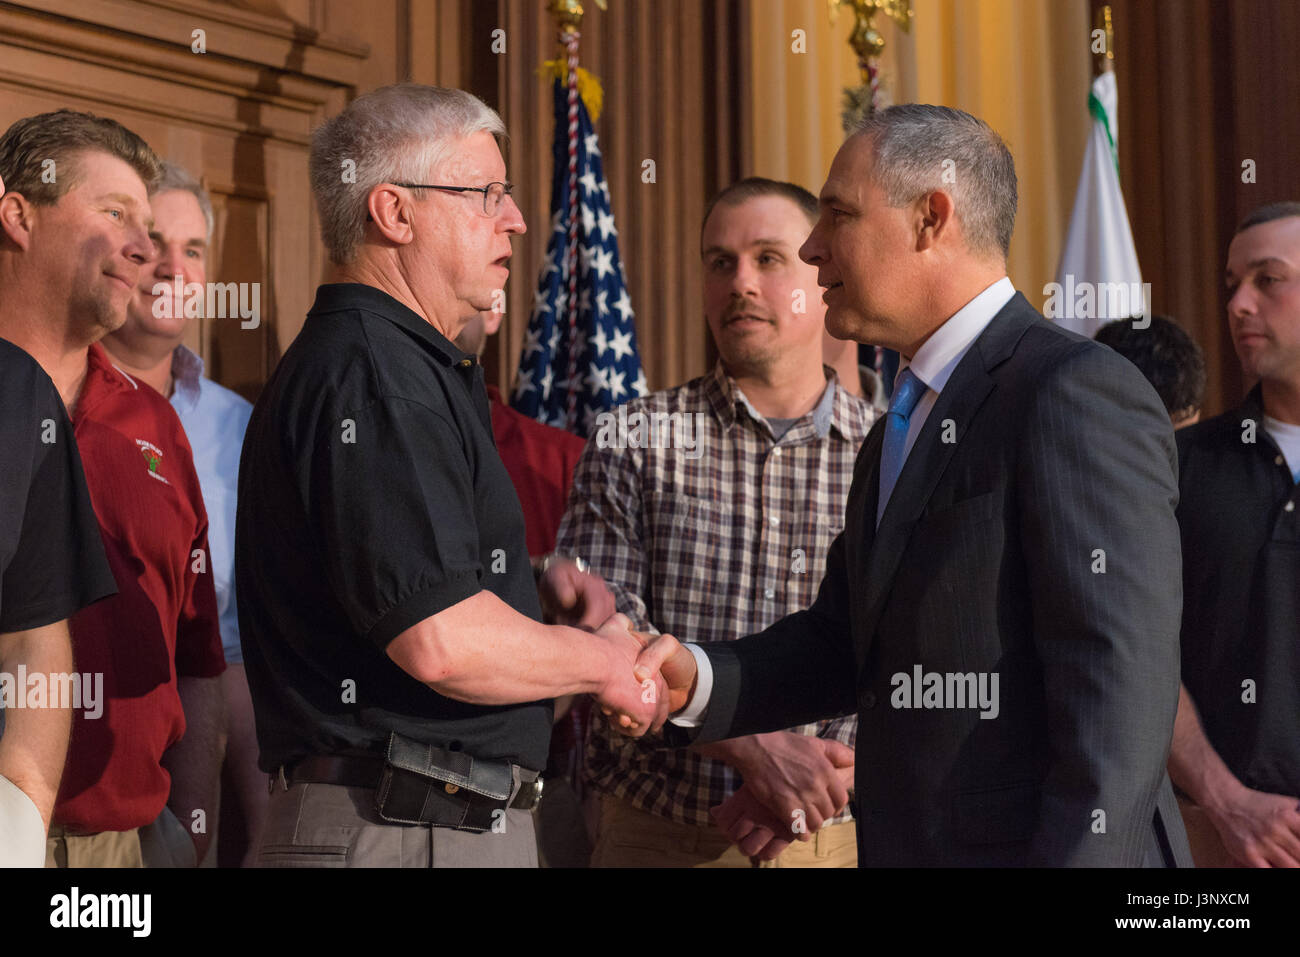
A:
(402, 677)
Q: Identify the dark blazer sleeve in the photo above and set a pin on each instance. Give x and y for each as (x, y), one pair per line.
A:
(799, 670)
(1098, 488)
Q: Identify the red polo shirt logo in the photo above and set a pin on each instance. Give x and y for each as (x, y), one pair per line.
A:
(152, 457)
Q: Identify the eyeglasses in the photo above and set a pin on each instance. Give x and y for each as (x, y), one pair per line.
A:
(494, 194)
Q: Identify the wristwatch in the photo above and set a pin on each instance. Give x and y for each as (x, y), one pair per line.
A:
(540, 568)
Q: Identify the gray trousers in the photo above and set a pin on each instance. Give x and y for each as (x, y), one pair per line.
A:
(328, 825)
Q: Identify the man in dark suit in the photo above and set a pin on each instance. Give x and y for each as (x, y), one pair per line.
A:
(1002, 608)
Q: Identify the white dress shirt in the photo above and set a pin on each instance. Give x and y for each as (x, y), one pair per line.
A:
(935, 361)
(933, 364)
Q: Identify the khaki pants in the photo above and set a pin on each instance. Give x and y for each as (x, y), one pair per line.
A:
(105, 849)
(328, 825)
(630, 837)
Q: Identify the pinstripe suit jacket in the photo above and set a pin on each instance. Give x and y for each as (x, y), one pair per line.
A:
(1031, 536)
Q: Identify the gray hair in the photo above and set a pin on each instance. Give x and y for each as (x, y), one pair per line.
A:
(177, 178)
(919, 148)
(395, 134)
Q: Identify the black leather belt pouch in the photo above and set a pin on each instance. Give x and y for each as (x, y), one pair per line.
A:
(424, 784)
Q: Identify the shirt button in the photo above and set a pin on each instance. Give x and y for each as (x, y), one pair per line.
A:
(869, 700)
(776, 452)
(774, 521)
(1289, 507)
(1279, 460)
(451, 788)
(769, 594)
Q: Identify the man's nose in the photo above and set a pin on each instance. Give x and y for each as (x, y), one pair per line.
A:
(168, 262)
(744, 280)
(813, 251)
(512, 217)
(139, 247)
(1242, 302)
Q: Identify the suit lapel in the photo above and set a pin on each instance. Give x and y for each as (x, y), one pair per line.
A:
(960, 401)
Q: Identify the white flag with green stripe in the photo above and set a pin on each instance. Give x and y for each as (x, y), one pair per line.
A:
(1098, 278)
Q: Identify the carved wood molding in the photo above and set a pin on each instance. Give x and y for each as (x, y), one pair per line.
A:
(286, 66)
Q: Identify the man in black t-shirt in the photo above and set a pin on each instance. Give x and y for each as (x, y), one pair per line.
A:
(52, 564)
(401, 673)
(1236, 748)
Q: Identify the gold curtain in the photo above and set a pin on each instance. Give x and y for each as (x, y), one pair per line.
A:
(1022, 65)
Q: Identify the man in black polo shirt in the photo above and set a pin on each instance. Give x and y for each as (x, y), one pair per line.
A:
(1236, 745)
(400, 673)
(52, 564)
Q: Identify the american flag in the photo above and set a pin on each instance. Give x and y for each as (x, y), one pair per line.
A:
(580, 355)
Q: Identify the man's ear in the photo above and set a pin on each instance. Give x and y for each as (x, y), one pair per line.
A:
(935, 218)
(390, 211)
(16, 219)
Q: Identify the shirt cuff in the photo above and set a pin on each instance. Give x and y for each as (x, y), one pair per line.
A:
(692, 716)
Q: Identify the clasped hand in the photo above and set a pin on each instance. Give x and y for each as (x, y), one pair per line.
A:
(650, 677)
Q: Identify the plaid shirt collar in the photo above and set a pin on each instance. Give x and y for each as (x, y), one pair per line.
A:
(832, 412)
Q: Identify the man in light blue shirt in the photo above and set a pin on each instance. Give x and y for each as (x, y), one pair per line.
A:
(214, 418)
(172, 292)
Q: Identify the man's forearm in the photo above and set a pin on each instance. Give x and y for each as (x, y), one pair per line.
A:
(35, 741)
(194, 762)
(739, 753)
(482, 651)
(1194, 765)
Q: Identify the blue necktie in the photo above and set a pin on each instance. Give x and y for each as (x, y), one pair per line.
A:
(907, 393)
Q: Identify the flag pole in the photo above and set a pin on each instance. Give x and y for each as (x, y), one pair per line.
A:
(1104, 60)
(581, 303)
(568, 20)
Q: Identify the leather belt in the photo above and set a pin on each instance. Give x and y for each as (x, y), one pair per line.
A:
(360, 771)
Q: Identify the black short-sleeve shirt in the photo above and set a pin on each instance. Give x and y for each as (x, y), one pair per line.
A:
(52, 561)
(1239, 516)
(371, 497)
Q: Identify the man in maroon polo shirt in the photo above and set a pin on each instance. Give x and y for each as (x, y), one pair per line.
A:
(540, 458)
(73, 236)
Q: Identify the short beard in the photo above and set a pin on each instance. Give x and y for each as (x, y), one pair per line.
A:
(1275, 367)
(749, 362)
(101, 317)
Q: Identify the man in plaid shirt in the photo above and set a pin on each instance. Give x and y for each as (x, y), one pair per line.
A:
(721, 536)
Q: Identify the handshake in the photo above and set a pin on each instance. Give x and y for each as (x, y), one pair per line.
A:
(793, 783)
(645, 678)
(648, 678)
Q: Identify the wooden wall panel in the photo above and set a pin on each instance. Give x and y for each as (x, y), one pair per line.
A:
(238, 116)
(1203, 86)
